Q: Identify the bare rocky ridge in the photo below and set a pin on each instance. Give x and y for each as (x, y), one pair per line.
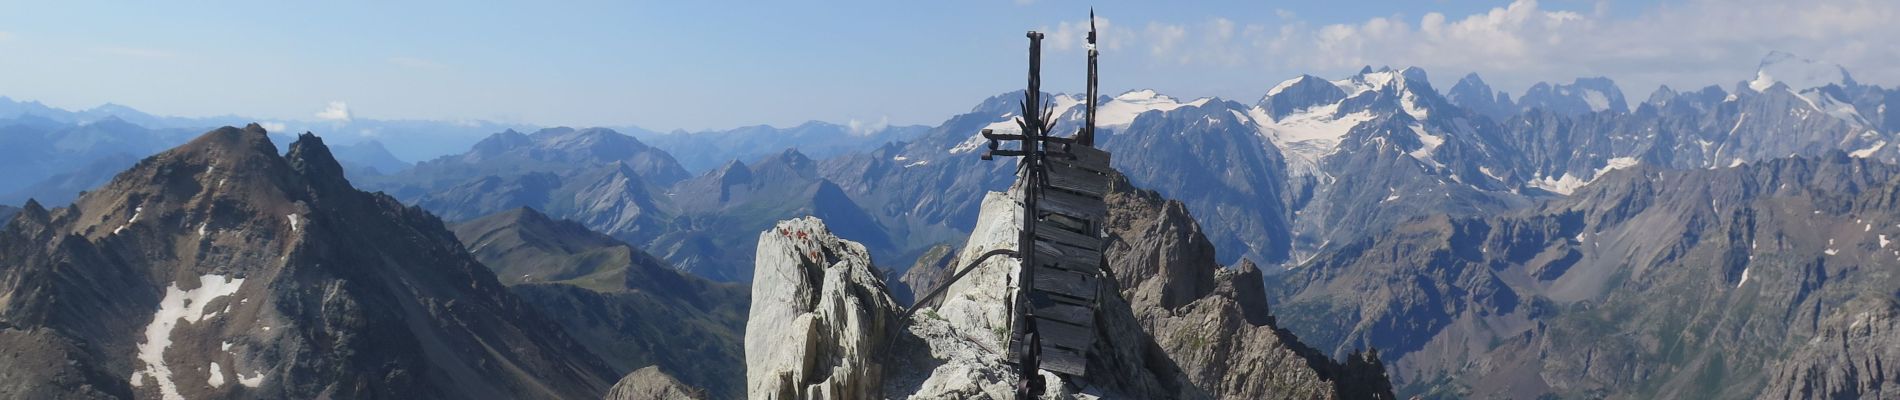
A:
(631, 308)
(222, 270)
(955, 347)
(1651, 283)
(1213, 321)
(1847, 359)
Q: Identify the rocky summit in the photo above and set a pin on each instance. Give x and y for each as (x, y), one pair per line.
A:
(823, 325)
(220, 269)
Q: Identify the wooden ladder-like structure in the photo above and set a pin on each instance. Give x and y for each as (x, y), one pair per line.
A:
(1066, 180)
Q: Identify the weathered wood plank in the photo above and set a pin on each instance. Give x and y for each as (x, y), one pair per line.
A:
(1088, 158)
(1049, 307)
(1068, 257)
(1072, 223)
(1072, 204)
(1065, 335)
(1066, 282)
(1069, 177)
(1057, 233)
(1064, 361)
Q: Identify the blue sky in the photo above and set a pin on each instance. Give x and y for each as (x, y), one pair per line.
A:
(701, 65)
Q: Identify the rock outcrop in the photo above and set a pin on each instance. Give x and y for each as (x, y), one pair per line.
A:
(1851, 358)
(821, 319)
(1213, 322)
(651, 384)
(956, 345)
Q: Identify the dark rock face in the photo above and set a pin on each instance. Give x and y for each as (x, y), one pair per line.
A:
(220, 269)
(631, 308)
(1301, 93)
(1583, 96)
(1473, 94)
(1848, 357)
(1647, 283)
(1250, 189)
(1213, 322)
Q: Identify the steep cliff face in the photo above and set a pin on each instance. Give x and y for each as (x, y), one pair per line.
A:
(220, 269)
(1849, 358)
(1211, 321)
(820, 318)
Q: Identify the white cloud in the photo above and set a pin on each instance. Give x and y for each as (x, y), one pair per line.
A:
(1162, 38)
(1071, 35)
(416, 63)
(863, 128)
(336, 111)
(274, 127)
(1687, 44)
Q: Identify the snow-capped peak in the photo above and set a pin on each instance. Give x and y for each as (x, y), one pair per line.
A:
(1286, 84)
(1368, 80)
(1143, 95)
(1798, 73)
(1124, 108)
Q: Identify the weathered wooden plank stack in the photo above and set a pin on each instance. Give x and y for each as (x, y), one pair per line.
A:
(1068, 261)
(1063, 181)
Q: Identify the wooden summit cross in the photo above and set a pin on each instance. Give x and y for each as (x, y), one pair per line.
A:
(1065, 180)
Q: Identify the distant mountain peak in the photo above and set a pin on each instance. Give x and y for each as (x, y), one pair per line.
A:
(1473, 93)
(1582, 96)
(1797, 73)
(310, 158)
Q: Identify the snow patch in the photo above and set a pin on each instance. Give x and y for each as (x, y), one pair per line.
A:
(1284, 85)
(1308, 135)
(136, 212)
(1122, 110)
(217, 376)
(1738, 285)
(251, 381)
(1597, 101)
(185, 305)
(1824, 103)
(1428, 145)
(1487, 172)
(1563, 185)
(1869, 151)
(1618, 163)
(918, 163)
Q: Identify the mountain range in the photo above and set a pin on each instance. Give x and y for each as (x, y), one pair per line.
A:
(1564, 242)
